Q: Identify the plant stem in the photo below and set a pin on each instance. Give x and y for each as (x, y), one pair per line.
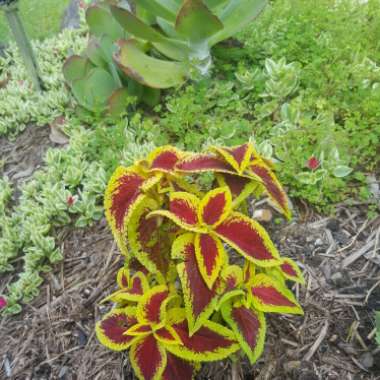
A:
(235, 370)
(24, 45)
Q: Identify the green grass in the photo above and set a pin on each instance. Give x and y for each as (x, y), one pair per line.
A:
(41, 18)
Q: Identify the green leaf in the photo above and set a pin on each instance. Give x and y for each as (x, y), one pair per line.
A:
(118, 102)
(341, 171)
(93, 91)
(166, 9)
(76, 67)
(133, 25)
(237, 15)
(146, 70)
(101, 22)
(196, 22)
(306, 178)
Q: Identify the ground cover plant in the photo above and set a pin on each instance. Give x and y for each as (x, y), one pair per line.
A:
(171, 231)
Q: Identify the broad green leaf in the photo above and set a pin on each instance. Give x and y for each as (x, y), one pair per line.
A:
(118, 102)
(93, 91)
(211, 4)
(101, 22)
(237, 15)
(165, 8)
(196, 22)
(76, 67)
(341, 171)
(151, 96)
(133, 25)
(146, 70)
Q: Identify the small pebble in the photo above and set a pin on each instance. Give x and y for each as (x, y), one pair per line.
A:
(318, 242)
(366, 360)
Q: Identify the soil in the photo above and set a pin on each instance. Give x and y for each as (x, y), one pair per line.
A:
(54, 337)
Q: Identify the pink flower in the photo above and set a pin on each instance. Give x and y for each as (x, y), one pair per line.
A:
(3, 303)
(70, 200)
(313, 163)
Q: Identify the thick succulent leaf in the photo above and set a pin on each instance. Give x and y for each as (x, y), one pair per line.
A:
(110, 330)
(122, 194)
(94, 53)
(198, 163)
(200, 301)
(271, 296)
(211, 4)
(210, 255)
(240, 187)
(100, 22)
(93, 91)
(149, 243)
(151, 308)
(249, 327)
(146, 70)
(196, 22)
(291, 271)
(215, 206)
(177, 369)
(166, 9)
(237, 15)
(148, 358)
(249, 238)
(183, 210)
(211, 342)
(164, 159)
(76, 67)
(271, 186)
(118, 101)
(238, 157)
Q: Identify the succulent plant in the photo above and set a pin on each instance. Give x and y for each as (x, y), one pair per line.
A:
(181, 32)
(138, 50)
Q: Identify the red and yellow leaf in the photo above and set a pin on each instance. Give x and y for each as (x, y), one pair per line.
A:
(122, 278)
(215, 206)
(151, 307)
(210, 255)
(238, 157)
(211, 342)
(164, 159)
(122, 193)
(198, 163)
(271, 296)
(167, 335)
(148, 358)
(271, 186)
(200, 301)
(249, 327)
(149, 243)
(232, 276)
(110, 330)
(139, 329)
(177, 369)
(291, 271)
(240, 187)
(249, 238)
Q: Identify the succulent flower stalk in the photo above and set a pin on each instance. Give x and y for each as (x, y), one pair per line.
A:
(10, 8)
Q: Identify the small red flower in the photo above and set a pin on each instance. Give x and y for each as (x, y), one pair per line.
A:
(313, 163)
(3, 303)
(70, 200)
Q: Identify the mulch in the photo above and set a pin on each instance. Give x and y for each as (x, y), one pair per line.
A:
(53, 338)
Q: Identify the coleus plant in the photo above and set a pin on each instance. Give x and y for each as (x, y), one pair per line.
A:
(199, 273)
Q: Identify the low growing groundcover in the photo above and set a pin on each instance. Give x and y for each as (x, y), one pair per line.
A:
(299, 86)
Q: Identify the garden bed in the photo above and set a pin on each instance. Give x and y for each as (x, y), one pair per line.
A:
(53, 338)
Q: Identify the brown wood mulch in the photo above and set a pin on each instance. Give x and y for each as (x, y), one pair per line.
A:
(54, 336)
